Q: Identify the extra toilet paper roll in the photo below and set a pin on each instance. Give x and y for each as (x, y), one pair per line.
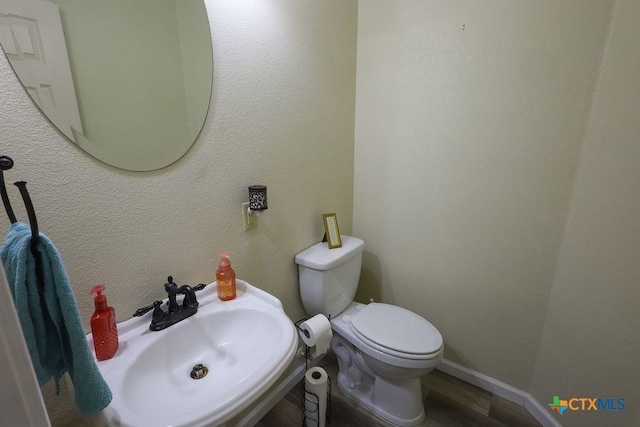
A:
(317, 332)
(315, 398)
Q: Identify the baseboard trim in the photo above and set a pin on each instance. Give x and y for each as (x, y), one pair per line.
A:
(540, 413)
(483, 381)
(501, 389)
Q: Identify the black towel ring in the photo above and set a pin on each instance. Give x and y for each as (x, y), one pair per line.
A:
(31, 213)
(6, 163)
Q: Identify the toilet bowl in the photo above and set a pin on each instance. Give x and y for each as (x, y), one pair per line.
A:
(382, 349)
(385, 378)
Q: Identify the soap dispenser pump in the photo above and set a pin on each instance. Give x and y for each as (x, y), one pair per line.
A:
(103, 326)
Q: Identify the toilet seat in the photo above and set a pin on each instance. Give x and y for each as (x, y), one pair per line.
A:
(396, 331)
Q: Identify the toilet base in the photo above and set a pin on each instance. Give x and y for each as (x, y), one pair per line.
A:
(398, 401)
(366, 402)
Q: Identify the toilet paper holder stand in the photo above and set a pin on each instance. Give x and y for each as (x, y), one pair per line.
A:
(305, 394)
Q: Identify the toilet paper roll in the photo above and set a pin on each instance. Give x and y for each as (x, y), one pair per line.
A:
(315, 398)
(317, 332)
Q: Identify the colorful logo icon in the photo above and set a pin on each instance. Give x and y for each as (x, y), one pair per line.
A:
(559, 405)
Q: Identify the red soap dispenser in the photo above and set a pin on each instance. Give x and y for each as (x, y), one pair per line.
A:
(103, 326)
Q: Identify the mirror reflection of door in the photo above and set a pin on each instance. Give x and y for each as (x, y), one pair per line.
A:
(32, 38)
(127, 81)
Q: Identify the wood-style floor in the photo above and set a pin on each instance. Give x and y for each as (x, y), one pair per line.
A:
(448, 401)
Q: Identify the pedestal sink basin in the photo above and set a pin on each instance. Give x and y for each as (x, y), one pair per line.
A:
(203, 370)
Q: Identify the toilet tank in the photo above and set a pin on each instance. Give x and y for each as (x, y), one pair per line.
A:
(329, 277)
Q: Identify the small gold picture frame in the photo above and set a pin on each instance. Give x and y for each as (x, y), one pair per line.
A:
(331, 230)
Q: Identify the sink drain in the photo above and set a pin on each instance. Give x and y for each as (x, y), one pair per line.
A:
(199, 371)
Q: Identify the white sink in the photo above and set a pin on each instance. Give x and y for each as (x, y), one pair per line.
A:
(245, 344)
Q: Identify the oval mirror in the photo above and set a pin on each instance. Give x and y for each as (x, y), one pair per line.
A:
(128, 81)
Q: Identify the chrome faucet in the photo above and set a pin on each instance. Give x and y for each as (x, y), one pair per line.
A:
(175, 313)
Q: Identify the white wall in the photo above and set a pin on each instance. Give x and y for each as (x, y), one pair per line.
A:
(591, 339)
(281, 114)
(469, 120)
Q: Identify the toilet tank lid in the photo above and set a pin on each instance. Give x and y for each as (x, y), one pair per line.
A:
(320, 257)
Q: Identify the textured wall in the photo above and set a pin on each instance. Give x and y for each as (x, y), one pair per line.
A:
(591, 343)
(281, 114)
(469, 120)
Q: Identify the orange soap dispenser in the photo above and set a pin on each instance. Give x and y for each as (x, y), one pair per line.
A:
(225, 278)
(103, 326)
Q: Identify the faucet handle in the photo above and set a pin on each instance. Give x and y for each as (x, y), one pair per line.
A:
(141, 311)
(199, 287)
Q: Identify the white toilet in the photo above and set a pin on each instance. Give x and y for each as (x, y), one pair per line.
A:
(382, 349)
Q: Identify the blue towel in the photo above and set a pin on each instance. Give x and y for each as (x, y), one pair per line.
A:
(57, 343)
